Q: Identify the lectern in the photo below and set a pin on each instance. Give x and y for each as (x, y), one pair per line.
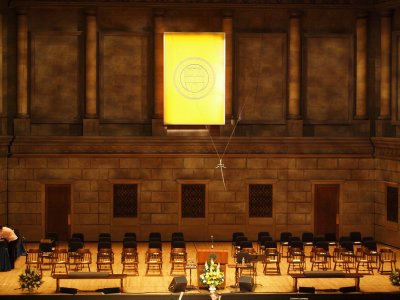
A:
(203, 256)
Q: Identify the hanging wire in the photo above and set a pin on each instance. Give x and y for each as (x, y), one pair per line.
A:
(221, 165)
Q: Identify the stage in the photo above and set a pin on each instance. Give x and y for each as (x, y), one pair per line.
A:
(271, 286)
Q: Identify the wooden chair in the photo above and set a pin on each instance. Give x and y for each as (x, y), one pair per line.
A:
(105, 260)
(85, 258)
(154, 261)
(364, 260)
(341, 258)
(59, 259)
(33, 259)
(296, 261)
(388, 257)
(272, 257)
(130, 261)
(319, 259)
(178, 261)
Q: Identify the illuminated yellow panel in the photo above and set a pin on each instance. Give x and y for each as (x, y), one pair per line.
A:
(194, 78)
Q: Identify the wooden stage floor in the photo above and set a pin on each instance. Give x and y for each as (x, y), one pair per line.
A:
(142, 284)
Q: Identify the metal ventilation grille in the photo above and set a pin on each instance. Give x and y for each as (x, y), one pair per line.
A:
(125, 200)
(260, 200)
(193, 200)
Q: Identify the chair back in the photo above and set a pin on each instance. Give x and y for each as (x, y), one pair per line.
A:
(33, 256)
(130, 234)
(355, 236)
(296, 244)
(155, 245)
(246, 245)
(387, 255)
(155, 236)
(348, 245)
(104, 245)
(239, 240)
(74, 245)
(129, 244)
(235, 235)
(284, 237)
(322, 244)
(79, 236)
(85, 254)
(330, 237)
(370, 245)
(177, 234)
(154, 255)
(270, 244)
(105, 256)
(307, 237)
(178, 244)
(105, 235)
(45, 246)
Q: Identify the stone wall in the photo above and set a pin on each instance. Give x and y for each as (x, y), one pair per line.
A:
(3, 189)
(387, 173)
(91, 180)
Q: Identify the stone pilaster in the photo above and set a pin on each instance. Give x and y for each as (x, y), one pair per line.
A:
(361, 68)
(90, 123)
(159, 29)
(294, 122)
(22, 122)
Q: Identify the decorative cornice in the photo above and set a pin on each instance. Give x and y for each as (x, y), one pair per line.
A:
(191, 146)
(4, 143)
(386, 147)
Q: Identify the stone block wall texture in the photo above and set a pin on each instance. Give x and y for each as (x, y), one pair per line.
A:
(91, 180)
(3, 189)
(387, 173)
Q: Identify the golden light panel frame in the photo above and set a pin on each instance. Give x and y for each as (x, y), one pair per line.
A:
(194, 78)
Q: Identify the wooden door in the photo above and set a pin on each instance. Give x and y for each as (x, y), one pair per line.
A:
(326, 208)
(58, 209)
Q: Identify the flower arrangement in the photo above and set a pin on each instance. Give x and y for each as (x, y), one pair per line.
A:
(212, 274)
(395, 277)
(30, 280)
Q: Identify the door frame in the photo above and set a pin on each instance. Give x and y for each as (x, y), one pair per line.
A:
(71, 203)
(340, 183)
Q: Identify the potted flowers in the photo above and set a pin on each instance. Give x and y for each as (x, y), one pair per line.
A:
(395, 277)
(212, 276)
(29, 280)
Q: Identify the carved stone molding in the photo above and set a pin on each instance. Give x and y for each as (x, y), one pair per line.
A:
(239, 146)
(387, 148)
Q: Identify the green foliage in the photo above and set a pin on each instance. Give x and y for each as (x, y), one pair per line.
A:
(395, 277)
(29, 280)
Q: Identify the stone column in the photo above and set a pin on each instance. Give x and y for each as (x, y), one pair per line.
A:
(159, 29)
(384, 112)
(361, 70)
(91, 123)
(22, 122)
(294, 123)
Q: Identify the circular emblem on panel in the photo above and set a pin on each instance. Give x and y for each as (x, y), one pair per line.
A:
(194, 78)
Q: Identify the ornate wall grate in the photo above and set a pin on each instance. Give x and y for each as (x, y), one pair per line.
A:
(125, 200)
(193, 200)
(392, 204)
(260, 200)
